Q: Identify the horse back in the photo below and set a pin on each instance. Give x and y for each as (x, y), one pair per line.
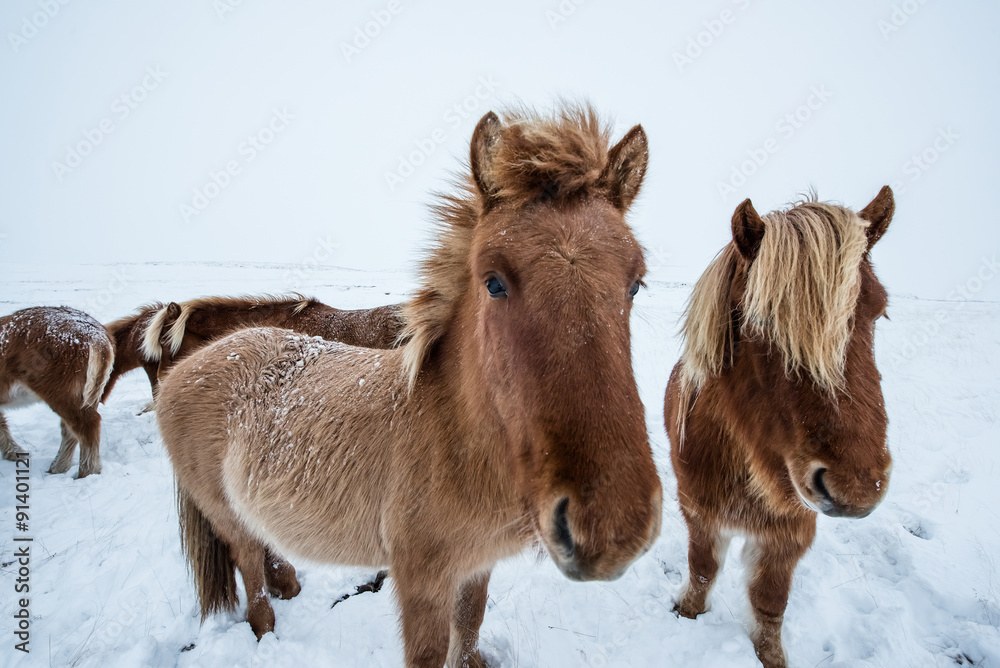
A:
(47, 351)
(293, 432)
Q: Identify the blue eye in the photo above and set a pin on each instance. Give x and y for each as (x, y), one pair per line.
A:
(495, 287)
(634, 290)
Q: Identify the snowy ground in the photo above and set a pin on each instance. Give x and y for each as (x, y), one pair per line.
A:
(915, 584)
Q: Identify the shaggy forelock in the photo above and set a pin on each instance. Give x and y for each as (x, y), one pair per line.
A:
(801, 292)
(560, 156)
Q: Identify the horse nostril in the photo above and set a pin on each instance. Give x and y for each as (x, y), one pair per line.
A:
(820, 487)
(561, 524)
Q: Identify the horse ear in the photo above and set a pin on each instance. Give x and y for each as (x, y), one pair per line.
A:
(484, 140)
(748, 229)
(627, 162)
(878, 213)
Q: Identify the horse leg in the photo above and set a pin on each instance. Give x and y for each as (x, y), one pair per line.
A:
(10, 450)
(425, 608)
(280, 575)
(152, 372)
(154, 384)
(770, 562)
(470, 607)
(64, 459)
(248, 554)
(85, 424)
(706, 553)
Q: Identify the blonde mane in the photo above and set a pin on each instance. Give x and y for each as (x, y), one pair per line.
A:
(801, 292)
(560, 156)
(151, 347)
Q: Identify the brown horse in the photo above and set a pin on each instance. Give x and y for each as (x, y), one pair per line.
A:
(775, 409)
(512, 414)
(63, 357)
(128, 333)
(158, 335)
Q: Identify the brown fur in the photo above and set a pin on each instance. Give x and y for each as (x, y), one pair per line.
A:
(775, 410)
(127, 333)
(518, 418)
(158, 335)
(63, 357)
(187, 326)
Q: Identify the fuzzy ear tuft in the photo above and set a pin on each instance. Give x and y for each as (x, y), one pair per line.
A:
(748, 230)
(626, 169)
(879, 214)
(481, 154)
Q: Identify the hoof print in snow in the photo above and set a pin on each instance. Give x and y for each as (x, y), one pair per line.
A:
(918, 530)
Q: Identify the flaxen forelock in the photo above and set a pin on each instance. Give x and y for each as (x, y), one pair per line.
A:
(800, 296)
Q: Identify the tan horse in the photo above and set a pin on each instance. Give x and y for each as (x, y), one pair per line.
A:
(157, 335)
(511, 416)
(775, 409)
(63, 357)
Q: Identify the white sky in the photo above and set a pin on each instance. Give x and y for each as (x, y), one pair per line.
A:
(321, 180)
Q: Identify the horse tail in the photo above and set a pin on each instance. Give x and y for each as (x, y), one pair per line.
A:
(175, 335)
(100, 361)
(208, 558)
(150, 348)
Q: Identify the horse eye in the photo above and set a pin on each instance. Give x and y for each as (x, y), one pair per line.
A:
(634, 290)
(496, 287)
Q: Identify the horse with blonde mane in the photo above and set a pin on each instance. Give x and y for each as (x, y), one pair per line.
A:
(511, 416)
(775, 410)
(158, 335)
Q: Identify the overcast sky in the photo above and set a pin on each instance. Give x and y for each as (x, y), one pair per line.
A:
(279, 132)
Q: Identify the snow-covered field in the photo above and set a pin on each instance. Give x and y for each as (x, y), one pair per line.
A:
(914, 584)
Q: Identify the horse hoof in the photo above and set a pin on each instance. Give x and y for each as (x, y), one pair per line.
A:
(686, 611)
(286, 591)
(261, 621)
(15, 454)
